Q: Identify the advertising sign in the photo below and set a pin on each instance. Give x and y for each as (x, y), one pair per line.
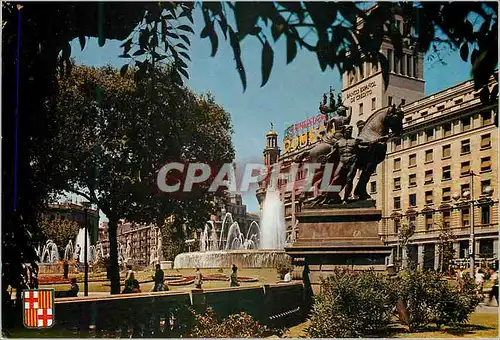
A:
(304, 133)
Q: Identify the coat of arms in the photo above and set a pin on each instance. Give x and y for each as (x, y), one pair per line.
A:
(38, 311)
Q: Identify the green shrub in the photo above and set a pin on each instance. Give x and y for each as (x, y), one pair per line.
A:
(457, 303)
(239, 325)
(351, 305)
(427, 297)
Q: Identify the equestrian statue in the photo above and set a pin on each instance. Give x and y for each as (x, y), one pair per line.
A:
(349, 155)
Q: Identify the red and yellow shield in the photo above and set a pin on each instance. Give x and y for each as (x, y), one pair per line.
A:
(38, 311)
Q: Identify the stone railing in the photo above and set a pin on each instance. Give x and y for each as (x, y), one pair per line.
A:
(166, 314)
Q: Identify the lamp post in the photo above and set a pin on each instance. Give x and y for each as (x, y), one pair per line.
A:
(470, 197)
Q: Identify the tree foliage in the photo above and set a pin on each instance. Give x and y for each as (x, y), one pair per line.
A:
(121, 132)
(59, 231)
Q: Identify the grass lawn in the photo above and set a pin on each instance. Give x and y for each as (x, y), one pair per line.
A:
(481, 325)
(264, 275)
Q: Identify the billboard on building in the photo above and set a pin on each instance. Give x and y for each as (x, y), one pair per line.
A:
(304, 133)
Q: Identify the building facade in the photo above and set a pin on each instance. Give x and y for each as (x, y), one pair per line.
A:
(137, 243)
(447, 136)
(75, 212)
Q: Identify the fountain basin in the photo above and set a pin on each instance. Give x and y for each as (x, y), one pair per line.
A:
(258, 258)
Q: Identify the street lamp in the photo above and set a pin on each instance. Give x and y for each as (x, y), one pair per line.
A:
(468, 196)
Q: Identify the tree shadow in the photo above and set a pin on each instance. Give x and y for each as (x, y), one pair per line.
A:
(465, 329)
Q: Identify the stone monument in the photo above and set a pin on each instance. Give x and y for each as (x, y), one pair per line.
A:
(340, 229)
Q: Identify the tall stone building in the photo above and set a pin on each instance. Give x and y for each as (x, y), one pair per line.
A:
(422, 181)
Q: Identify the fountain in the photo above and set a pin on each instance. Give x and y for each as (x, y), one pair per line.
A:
(260, 247)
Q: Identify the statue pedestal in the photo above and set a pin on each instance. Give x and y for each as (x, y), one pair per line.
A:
(340, 236)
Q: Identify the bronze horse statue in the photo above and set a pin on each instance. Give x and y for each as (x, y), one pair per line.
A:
(384, 122)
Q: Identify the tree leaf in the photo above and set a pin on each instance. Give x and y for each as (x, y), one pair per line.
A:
(183, 72)
(185, 38)
(123, 70)
(125, 56)
(181, 45)
(291, 49)
(474, 56)
(494, 94)
(139, 52)
(267, 62)
(172, 35)
(185, 55)
(185, 28)
(246, 17)
(485, 95)
(464, 51)
(82, 42)
(214, 41)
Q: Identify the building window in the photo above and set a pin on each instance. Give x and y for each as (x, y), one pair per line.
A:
(429, 197)
(446, 194)
(412, 160)
(465, 217)
(485, 164)
(360, 108)
(465, 148)
(485, 141)
(446, 218)
(390, 60)
(447, 130)
(428, 156)
(428, 177)
(374, 103)
(485, 215)
(413, 179)
(446, 151)
(429, 135)
(486, 118)
(397, 225)
(465, 168)
(389, 100)
(464, 187)
(403, 101)
(413, 139)
(397, 164)
(466, 123)
(415, 67)
(397, 183)
(485, 184)
(486, 248)
(373, 187)
(397, 203)
(397, 144)
(413, 200)
(446, 172)
(428, 222)
(362, 72)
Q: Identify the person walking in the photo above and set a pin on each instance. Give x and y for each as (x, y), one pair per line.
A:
(130, 272)
(158, 279)
(494, 289)
(198, 278)
(233, 279)
(65, 269)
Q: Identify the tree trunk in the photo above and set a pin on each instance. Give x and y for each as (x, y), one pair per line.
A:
(113, 256)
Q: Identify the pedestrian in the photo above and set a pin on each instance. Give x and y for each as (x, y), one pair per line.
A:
(494, 289)
(288, 276)
(74, 289)
(65, 269)
(233, 279)
(158, 279)
(198, 278)
(480, 278)
(135, 286)
(130, 272)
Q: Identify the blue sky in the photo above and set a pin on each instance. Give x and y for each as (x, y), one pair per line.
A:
(292, 94)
